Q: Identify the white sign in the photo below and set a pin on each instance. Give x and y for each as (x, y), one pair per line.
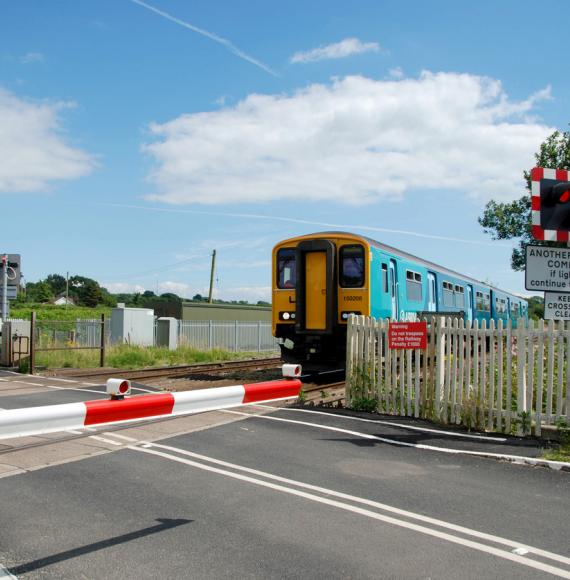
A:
(556, 306)
(547, 268)
(12, 292)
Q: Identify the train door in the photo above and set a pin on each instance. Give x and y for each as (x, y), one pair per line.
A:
(469, 308)
(315, 291)
(508, 313)
(394, 289)
(432, 296)
(315, 305)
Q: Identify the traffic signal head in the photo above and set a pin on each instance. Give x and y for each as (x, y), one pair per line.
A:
(555, 204)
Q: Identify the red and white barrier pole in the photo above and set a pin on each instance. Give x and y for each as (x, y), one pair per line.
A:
(51, 418)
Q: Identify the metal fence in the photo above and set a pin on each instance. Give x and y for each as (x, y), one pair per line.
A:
(228, 335)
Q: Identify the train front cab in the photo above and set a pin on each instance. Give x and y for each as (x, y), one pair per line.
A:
(317, 283)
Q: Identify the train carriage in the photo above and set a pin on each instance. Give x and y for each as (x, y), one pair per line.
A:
(320, 279)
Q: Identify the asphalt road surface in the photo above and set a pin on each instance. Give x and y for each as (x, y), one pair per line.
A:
(260, 493)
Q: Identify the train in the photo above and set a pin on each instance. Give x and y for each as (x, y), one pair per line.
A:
(320, 279)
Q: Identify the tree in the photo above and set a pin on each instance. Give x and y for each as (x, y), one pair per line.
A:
(505, 221)
(39, 292)
(57, 283)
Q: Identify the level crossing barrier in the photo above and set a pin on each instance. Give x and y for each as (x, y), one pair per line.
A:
(52, 418)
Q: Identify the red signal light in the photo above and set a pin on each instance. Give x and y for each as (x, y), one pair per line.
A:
(565, 196)
(124, 387)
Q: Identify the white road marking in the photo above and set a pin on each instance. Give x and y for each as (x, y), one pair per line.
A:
(119, 436)
(27, 383)
(62, 380)
(501, 553)
(368, 502)
(74, 432)
(104, 440)
(5, 574)
(390, 423)
(73, 389)
(556, 465)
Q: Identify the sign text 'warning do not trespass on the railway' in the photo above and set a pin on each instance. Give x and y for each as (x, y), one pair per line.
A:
(547, 268)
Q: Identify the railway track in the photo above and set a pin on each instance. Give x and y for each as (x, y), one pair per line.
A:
(331, 394)
(176, 371)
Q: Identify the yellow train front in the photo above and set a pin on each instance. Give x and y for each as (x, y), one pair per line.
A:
(318, 281)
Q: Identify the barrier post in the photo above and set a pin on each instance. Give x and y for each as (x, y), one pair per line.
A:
(102, 354)
(32, 342)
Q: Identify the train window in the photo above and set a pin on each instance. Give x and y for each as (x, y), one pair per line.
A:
(413, 286)
(286, 268)
(515, 308)
(448, 294)
(351, 266)
(479, 304)
(459, 296)
(487, 303)
(385, 277)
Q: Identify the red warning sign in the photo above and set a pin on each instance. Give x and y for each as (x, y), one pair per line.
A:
(407, 335)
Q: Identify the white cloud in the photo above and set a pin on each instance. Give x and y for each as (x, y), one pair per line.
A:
(31, 57)
(342, 49)
(356, 140)
(122, 287)
(33, 151)
(396, 73)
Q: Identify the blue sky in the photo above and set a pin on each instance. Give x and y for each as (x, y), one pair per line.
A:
(136, 137)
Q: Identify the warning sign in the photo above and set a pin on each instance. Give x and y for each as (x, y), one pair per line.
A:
(556, 306)
(407, 335)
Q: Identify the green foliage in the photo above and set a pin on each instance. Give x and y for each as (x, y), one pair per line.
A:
(536, 307)
(508, 220)
(367, 404)
(40, 292)
(53, 312)
(133, 357)
(302, 397)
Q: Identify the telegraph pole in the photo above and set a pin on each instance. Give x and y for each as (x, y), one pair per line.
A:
(66, 289)
(212, 272)
(4, 287)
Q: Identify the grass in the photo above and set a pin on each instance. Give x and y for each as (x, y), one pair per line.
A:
(53, 312)
(560, 454)
(134, 357)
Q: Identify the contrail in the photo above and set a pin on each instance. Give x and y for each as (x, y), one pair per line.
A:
(219, 39)
(350, 227)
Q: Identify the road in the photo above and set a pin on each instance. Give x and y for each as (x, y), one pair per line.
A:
(274, 493)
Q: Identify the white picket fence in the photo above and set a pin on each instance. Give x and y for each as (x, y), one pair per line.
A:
(494, 377)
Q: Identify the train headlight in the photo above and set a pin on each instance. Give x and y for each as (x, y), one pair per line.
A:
(287, 316)
(344, 315)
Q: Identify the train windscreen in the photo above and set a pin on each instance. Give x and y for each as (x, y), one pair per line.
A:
(352, 266)
(286, 268)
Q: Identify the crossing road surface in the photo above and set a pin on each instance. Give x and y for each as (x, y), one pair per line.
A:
(265, 493)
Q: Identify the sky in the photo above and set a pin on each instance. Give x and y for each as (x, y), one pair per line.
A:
(136, 137)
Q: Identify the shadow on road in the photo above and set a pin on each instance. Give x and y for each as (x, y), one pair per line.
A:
(163, 525)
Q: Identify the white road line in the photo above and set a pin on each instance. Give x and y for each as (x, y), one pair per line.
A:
(143, 390)
(5, 574)
(90, 390)
(557, 465)
(104, 440)
(74, 432)
(390, 423)
(507, 555)
(119, 436)
(74, 389)
(368, 502)
(62, 380)
(27, 383)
